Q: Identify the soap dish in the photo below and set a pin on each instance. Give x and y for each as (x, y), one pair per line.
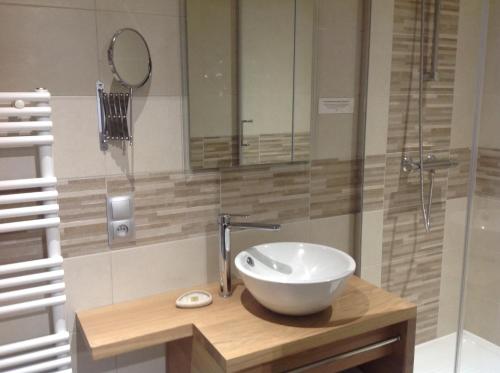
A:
(194, 299)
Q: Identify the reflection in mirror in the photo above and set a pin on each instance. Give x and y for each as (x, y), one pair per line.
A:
(249, 81)
(129, 58)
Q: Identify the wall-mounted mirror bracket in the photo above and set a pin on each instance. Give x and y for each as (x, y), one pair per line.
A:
(113, 113)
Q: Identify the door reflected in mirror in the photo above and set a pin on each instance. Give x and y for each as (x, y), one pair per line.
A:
(249, 80)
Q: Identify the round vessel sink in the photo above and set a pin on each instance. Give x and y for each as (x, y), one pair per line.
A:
(294, 278)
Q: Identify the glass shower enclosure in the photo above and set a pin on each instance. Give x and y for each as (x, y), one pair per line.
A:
(430, 212)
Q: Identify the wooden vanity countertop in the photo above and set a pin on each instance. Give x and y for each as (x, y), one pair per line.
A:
(238, 331)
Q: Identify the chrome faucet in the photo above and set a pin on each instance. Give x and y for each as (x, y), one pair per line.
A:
(225, 226)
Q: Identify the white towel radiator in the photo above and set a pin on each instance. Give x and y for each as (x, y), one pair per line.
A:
(36, 284)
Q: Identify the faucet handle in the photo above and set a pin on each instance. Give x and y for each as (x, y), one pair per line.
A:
(233, 215)
(226, 217)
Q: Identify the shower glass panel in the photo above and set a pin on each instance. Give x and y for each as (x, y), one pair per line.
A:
(451, 270)
(479, 345)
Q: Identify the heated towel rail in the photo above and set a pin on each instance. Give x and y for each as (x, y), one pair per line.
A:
(32, 204)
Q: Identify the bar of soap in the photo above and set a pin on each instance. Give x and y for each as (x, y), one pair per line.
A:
(194, 299)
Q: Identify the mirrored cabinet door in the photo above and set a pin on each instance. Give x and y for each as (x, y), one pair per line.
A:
(249, 81)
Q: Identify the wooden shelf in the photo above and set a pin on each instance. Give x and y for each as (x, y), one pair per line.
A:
(238, 332)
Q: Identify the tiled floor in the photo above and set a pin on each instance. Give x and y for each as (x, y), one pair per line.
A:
(437, 356)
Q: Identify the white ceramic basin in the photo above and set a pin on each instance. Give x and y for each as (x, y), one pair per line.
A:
(294, 278)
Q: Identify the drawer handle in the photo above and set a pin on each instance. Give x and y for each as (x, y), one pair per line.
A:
(345, 355)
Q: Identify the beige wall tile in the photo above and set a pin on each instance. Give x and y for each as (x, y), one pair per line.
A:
(492, 77)
(162, 33)
(488, 136)
(158, 141)
(151, 360)
(372, 239)
(451, 268)
(377, 110)
(53, 48)
(449, 295)
(336, 136)
(148, 270)
(483, 255)
(339, 25)
(335, 231)
(26, 326)
(372, 274)
(165, 7)
(454, 229)
(481, 317)
(88, 284)
(337, 75)
(76, 145)
(18, 163)
(466, 73)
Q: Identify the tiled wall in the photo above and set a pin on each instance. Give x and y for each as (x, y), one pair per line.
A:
(176, 206)
(488, 173)
(410, 259)
(223, 151)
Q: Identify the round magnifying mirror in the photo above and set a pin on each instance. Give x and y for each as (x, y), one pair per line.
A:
(129, 58)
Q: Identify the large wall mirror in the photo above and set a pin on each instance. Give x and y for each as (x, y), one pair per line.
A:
(249, 81)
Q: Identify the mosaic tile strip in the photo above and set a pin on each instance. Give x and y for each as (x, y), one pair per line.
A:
(335, 187)
(488, 173)
(213, 152)
(302, 147)
(22, 246)
(277, 193)
(82, 204)
(458, 176)
(373, 182)
(173, 206)
(250, 152)
(170, 206)
(275, 148)
(223, 151)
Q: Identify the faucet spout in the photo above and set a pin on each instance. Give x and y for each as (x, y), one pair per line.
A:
(225, 225)
(266, 227)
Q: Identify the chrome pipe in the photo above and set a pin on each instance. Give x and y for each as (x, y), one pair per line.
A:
(433, 74)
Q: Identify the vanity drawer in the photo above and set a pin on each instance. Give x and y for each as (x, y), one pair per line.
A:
(384, 348)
